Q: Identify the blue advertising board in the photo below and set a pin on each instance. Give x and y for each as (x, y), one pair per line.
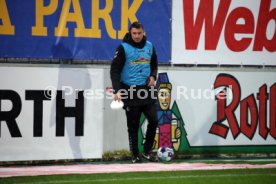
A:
(82, 29)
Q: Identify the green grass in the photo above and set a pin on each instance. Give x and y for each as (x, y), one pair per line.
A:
(237, 176)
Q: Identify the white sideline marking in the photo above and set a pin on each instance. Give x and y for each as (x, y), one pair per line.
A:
(151, 178)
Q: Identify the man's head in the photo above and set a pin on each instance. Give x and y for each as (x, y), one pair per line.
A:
(136, 31)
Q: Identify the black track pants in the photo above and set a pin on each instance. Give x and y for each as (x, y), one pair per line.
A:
(133, 114)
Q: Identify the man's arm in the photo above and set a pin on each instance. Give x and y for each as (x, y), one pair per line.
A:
(153, 69)
(116, 68)
(153, 64)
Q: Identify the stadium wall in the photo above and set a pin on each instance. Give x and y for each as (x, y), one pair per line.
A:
(65, 112)
(217, 72)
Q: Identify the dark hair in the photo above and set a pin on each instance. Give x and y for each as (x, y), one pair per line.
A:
(136, 25)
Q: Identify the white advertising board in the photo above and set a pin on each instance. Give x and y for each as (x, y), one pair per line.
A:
(245, 115)
(51, 113)
(230, 32)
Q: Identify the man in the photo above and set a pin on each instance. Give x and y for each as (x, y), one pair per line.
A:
(133, 74)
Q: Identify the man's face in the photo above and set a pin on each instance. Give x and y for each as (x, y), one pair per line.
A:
(137, 34)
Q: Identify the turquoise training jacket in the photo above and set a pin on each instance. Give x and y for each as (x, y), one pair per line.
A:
(136, 70)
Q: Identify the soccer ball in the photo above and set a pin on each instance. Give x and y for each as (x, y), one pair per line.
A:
(165, 154)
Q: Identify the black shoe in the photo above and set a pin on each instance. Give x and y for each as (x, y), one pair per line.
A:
(149, 157)
(135, 159)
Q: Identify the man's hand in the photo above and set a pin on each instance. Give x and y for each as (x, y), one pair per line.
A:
(151, 81)
(117, 97)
